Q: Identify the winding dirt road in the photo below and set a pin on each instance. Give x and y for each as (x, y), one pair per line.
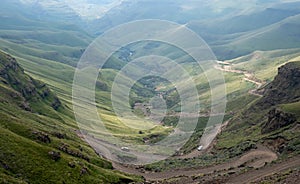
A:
(255, 158)
(196, 153)
(248, 76)
(255, 175)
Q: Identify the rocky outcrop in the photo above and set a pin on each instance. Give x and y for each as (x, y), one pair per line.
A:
(277, 143)
(278, 119)
(285, 88)
(65, 148)
(28, 89)
(54, 155)
(41, 136)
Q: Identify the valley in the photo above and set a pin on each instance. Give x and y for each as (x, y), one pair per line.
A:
(254, 160)
(255, 139)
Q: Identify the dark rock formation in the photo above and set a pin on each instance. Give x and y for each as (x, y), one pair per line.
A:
(43, 137)
(83, 171)
(59, 135)
(27, 89)
(72, 164)
(285, 88)
(277, 143)
(54, 155)
(65, 148)
(278, 119)
(56, 103)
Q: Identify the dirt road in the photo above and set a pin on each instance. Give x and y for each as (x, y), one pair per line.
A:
(248, 76)
(255, 158)
(255, 175)
(210, 143)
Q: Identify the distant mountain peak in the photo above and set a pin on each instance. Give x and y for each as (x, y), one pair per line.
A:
(86, 9)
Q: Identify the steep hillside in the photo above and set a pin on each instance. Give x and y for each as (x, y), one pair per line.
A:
(285, 88)
(280, 35)
(274, 118)
(261, 140)
(30, 31)
(31, 93)
(232, 29)
(214, 15)
(248, 22)
(38, 142)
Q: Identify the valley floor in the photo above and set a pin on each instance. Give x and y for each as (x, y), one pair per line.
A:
(259, 165)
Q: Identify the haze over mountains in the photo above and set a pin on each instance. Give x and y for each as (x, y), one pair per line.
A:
(42, 41)
(232, 29)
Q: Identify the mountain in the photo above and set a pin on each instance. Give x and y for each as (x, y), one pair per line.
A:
(42, 42)
(285, 88)
(28, 33)
(38, 142)
(31, 93)
(85, 9)
(40, 10)
(283, 92)
(280, 35)
(273, 116)
(230, 29)
(176, 11)
(260, 143)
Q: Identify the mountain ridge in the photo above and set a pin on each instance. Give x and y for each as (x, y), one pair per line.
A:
(267, 118)
(38, 143)
(38, 131)
(30, 90)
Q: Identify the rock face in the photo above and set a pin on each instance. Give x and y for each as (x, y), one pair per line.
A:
(26, 88)
(285, 88)
(278, 119)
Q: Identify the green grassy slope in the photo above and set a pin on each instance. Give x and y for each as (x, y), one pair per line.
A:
(280, 35)
(247, 117)
(26, 32)
(264, 64)
(293, 108)
(49, 49)
(31, 129)
(50, 53)
(59, 78)
(272, 117)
